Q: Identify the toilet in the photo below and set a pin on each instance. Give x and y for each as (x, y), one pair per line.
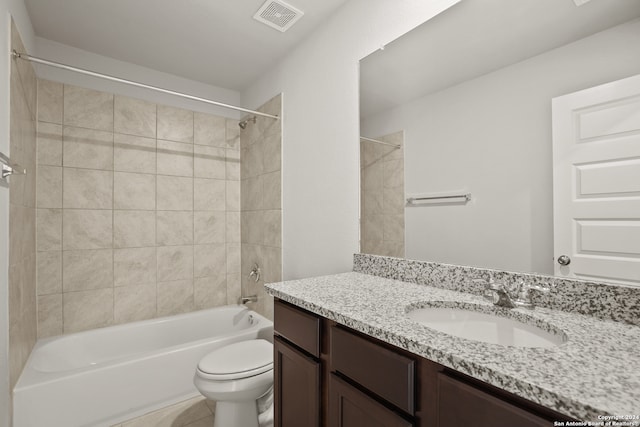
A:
(235, 376)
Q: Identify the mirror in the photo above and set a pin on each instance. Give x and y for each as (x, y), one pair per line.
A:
(467, 97)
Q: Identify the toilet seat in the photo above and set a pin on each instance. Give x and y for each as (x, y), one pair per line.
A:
(239, 360)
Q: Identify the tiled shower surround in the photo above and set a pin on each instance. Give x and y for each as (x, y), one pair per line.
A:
(382, 196)
(138, 210)
(22, 214)
(261, 216)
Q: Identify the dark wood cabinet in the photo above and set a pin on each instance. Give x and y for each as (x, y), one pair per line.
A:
(332, 376)
(460, 404)
(296, 386)
(349, 407)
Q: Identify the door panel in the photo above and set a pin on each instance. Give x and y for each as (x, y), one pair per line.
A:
(596, 157)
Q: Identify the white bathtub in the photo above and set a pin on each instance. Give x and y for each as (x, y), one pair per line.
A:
(106, 376)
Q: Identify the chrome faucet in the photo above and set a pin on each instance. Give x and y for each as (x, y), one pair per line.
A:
(255, 272)
(250, 298)
(523, 298)
(502, 296)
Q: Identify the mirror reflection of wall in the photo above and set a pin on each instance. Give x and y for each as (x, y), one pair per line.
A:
(382, 195)
(472, 90)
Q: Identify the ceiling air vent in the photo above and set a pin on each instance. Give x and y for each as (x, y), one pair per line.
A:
(278, 14)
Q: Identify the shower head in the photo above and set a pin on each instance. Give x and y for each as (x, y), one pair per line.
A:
(243, 124)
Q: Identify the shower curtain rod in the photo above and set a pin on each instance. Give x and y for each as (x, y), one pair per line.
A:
(380, 142)
(37, 60)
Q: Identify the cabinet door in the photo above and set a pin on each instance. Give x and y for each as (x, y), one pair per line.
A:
(349, 407)
(460, 404)
(296, 386)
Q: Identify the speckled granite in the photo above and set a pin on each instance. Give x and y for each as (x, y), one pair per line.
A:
(601, 300)
(595, 372)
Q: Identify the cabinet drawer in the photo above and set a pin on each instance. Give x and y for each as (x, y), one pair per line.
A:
(348, 407)
(298, 326)
(384, 372)
(460, 404)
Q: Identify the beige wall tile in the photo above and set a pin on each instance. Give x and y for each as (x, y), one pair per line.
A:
(233, 258)
(133, 303)
(272, 154)
(273, 228)
(233, 134)
(210, 291)
(272, 261)
(252, 163)
(87, 148)
(209, 130)
(394, 228)
(374, 247)
(49, 187)
(85, 270)
(49, 315)
(87, 229)
(175, 124)
(251, 193)
(233, 196)
(88, 108)
(174, 158)
(252, 227)
(87, 310)
(134, 266)
(372, 227)
(393, 173)
(272, 191)
(49, 229)
(134, 229)
(209, 162)
(134, 154)
(49, 101)
(49, 274)
(393, 200)
(233, 165)
(233, 288)
(372, 202)
(134, 116)
(175, 193)
(209, 260)
(87, 189)
(209, 227)
(49, 144)
(209, 194)
(175, 297)
(134, 191)
(372, 177)
(174, 228)
(175, 263)
(233, 227)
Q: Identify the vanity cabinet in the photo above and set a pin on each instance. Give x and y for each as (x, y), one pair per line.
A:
(332, 376)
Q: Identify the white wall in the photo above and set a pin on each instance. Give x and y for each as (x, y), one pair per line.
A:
(320, 152)
(492, 136)
(58, 52)
(17, 9)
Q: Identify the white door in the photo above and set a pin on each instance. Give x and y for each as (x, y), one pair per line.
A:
(596, 182)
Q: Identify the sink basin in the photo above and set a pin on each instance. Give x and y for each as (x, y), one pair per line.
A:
(469, 323)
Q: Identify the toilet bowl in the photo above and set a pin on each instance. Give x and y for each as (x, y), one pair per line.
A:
(235, 376)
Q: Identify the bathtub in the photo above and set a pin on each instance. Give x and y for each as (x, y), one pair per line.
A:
(109, 375)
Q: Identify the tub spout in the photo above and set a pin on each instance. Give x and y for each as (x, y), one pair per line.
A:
(250, 298)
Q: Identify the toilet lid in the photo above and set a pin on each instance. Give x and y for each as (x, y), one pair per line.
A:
(238, 360)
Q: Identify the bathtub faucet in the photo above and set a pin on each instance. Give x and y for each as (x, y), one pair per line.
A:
(250, 298)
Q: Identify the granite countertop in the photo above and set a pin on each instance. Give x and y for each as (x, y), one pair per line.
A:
(595, 372)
